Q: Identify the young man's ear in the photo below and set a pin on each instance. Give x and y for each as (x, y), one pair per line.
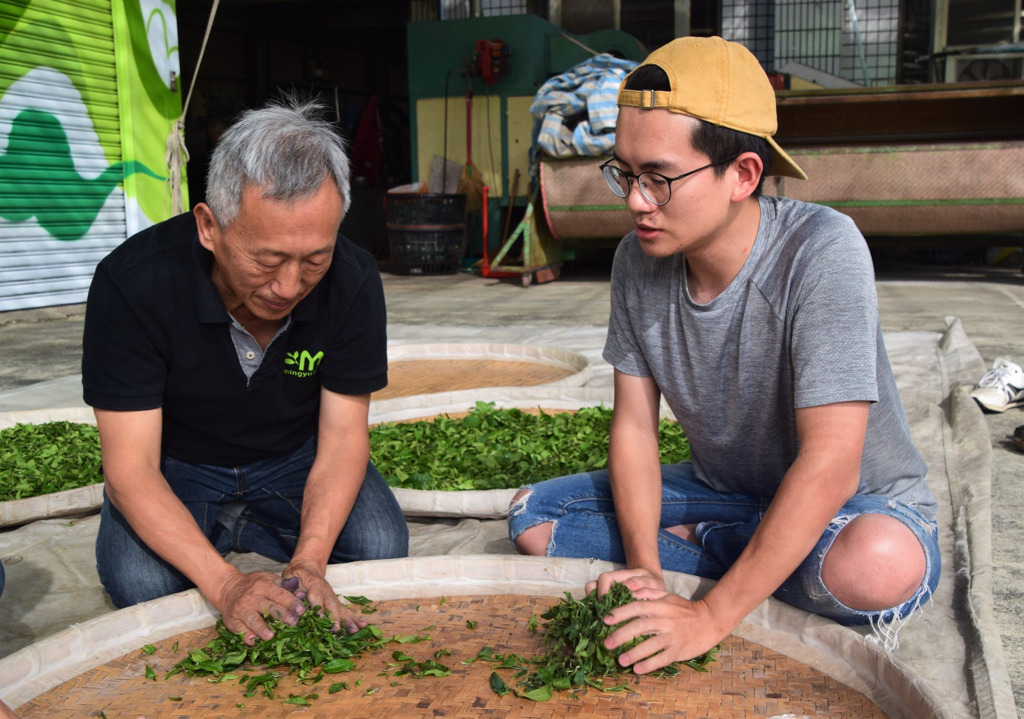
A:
(749, 168)
(206, 225)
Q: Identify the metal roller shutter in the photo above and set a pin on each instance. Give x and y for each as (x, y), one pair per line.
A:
(61, 204)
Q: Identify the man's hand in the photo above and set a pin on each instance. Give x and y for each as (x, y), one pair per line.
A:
(314, 587)
(246, 597)
(680, 630)
(636, 579)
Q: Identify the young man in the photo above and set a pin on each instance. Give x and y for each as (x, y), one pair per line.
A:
(756, 318)
(229, 355)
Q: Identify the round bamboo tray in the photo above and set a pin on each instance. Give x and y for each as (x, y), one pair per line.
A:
(746, 680)
(432, 368)
(519, 586)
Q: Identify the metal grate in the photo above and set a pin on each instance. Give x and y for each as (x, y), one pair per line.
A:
(455, 9)
(503, 7)
(753, 25)
(458, 9)
(856, 40)
(810, 33)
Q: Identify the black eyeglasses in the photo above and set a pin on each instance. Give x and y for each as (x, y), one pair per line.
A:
(655, 187)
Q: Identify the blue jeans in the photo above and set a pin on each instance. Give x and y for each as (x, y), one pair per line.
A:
(584, 525)
(254, 508)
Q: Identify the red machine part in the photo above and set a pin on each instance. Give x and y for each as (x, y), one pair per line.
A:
(491, 60)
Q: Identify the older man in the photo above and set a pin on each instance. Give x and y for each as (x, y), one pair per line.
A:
(229, 355)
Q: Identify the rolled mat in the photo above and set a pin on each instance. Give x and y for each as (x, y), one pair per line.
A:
(578, 203)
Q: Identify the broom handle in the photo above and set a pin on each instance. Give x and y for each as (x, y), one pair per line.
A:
(511, 199)
(469, 130)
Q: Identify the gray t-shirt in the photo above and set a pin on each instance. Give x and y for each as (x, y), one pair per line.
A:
(797, 327)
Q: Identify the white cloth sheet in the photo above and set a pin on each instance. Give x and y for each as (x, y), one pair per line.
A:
(950, 650)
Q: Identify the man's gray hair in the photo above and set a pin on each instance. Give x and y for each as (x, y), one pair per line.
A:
(286, 149)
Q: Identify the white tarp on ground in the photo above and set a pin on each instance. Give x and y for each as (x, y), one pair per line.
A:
(949, 663)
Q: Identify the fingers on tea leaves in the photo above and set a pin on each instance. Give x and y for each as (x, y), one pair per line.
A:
(353, 624)
(290, 583)
(258, 628)
(647, 656)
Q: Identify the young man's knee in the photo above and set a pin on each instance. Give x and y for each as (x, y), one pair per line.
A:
(535, 540)
(892, 554)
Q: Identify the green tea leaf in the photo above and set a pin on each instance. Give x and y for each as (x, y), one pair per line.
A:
(540, 694)
(501, 448)
(38, 459)
(576, 657)
(310, 650)
(498, 685)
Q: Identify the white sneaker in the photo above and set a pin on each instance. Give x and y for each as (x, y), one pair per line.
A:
(1001, 388)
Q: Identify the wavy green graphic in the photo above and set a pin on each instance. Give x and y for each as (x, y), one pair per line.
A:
(155, 84)
(38, 178)
(168, 48)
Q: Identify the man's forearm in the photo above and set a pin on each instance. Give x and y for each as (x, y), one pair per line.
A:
(635, 475)
(166, 526)
(327, 501)
(810, 493)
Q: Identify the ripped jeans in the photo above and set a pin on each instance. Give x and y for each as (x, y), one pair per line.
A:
(584, 525)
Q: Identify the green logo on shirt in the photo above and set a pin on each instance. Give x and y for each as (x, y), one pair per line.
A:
(302, 363)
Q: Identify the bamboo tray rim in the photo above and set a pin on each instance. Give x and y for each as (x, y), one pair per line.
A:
(840, 652)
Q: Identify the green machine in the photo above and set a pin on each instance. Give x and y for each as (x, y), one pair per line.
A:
(471, 84)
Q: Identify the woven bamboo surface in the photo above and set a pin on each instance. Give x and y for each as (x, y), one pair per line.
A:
(425, 376)
(748, 680)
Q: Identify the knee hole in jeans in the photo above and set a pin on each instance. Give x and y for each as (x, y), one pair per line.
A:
(535, 540)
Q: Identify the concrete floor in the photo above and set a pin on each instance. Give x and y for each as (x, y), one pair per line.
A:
(38, 345)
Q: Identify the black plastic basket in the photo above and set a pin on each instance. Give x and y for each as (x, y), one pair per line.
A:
(435, 251)
(426, 209)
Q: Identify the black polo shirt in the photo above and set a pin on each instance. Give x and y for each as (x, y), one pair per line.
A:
(157, 334)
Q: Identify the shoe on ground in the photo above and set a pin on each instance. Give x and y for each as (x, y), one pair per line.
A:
(1001, 388)
(1018, 438)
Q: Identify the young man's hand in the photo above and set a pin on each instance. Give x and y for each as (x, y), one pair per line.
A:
(679, 630)
(635, 579)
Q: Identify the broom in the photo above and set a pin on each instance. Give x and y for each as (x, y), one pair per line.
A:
(471, 183)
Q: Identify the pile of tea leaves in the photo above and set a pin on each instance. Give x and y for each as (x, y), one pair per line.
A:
(493, 448)
(576, 656)
(38, 459)
(489, 448)
(310, 650)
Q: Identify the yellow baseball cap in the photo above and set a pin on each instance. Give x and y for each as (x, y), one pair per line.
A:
(720, 82)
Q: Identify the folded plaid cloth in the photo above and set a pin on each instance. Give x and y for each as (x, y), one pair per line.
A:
(577, 109)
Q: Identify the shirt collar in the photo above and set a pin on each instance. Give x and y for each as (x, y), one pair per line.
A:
(209, 306)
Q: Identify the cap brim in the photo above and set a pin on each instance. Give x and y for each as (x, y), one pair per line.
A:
(782, 164)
